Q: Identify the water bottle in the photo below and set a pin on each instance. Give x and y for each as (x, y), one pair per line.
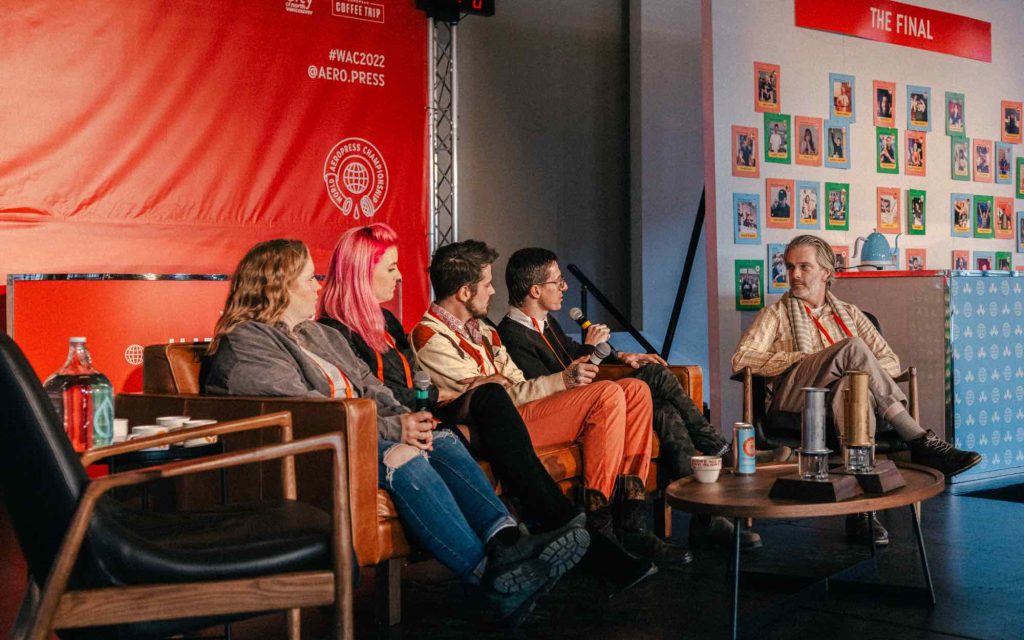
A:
(83, 398)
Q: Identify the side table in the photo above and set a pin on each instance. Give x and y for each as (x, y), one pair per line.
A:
(740, 497)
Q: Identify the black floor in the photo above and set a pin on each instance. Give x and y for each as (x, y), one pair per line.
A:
(975, 547)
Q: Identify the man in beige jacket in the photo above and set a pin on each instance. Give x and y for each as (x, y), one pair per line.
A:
(610, 420)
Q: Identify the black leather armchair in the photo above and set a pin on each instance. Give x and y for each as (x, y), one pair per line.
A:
(99, 569)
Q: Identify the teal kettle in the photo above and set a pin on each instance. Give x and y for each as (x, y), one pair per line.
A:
(876, 252)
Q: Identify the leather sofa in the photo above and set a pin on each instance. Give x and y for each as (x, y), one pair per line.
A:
(171, 374)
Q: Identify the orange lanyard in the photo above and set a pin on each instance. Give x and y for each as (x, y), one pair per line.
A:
(405, 363)
(839, 321)
(468, 347)
(330, 381)
(536, 325)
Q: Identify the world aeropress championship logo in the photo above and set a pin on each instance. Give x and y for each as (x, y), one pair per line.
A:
(355, 172)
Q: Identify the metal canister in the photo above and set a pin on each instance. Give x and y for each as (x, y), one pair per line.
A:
(744, 449)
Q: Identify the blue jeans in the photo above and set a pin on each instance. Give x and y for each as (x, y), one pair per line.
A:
(446, 503)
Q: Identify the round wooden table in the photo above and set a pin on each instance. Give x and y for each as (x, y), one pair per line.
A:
(741, 497)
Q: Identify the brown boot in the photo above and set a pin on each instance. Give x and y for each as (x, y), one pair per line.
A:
(606, 555)
(630, 513)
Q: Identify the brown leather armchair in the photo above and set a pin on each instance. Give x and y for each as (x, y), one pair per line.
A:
(171, 375)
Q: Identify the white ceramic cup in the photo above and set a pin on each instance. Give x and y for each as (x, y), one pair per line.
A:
(199, 442)
(146, 430)
(172, 422)
(706, 468)
(120, 429)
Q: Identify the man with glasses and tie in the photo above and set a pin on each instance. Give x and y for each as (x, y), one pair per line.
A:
(539, 346)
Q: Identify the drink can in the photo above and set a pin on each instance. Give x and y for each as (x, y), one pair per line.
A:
(743, 449)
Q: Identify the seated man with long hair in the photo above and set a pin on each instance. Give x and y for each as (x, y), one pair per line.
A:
(266, 345)
(363, 274)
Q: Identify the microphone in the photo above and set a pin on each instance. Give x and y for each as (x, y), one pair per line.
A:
(581, 320)
(421, 382)
(601, 352)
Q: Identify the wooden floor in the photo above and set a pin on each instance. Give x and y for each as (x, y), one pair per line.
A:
(975, 545)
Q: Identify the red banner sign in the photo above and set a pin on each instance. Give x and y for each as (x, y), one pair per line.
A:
(902, 24)
(169, 136)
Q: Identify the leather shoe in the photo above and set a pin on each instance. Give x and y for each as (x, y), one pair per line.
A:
(859, 527)
(931, 451)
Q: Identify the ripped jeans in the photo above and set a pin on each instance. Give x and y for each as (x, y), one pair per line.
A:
(445, 502)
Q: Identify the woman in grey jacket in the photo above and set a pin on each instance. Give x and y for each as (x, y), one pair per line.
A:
(266, 345)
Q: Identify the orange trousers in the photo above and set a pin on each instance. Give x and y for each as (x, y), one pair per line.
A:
(611, 421)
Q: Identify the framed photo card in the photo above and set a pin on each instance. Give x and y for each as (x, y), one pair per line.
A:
(776, 138)
(960, 158)
(1004, 218)
(1020, 231)
(746, 218)
(960, 214)
(1004, 163)
(1004, 261)
(919, 108)
(914, 162)
(744, 152)
(767, 87)
(1020, 178)
(961, 260)
(837, 144)
(984, 260)
(837, 197)
(841, 105)
(749, 285)
(983, 224)
(778, 277)
(1010, 117)
(916, 210)
(808, 205)
(842, 256)
(917, 259)
(884, 96)
(982, 151)
(887, 150)
(779, 196)
(808, 140)
(887, 210)
(955, 118)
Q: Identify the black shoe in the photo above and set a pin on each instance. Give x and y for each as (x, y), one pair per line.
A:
(616, 565)
(860, 526)
(513, 568)
(930, 451)
(718, 532)
(647, 545)
(630, 516)
(512, 609)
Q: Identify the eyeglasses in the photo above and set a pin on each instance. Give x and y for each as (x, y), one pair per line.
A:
(560, 282)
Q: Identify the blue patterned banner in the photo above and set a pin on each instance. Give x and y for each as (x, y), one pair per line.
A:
(987, 361)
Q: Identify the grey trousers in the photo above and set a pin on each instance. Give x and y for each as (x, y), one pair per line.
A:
(827, 368)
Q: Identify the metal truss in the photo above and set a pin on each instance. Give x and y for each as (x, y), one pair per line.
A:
(444, 211)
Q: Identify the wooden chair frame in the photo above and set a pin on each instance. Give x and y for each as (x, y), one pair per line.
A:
(58, 608)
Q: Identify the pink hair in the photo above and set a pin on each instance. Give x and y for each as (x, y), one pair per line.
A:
(347, 295)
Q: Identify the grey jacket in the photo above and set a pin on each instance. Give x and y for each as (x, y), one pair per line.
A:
(257, 359)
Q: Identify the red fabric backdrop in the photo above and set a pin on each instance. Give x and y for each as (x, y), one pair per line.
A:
(168, 136)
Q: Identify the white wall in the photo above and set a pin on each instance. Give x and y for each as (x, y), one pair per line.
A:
(744, 31)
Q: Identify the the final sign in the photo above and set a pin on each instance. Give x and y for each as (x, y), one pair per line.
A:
(902, 24)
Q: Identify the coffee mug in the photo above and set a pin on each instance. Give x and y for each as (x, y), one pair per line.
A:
(200, 442)
(172, 422)
(706, 468)
(146, 430)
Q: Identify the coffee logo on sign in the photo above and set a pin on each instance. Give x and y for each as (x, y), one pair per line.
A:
(356, 177)
(304, 7)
